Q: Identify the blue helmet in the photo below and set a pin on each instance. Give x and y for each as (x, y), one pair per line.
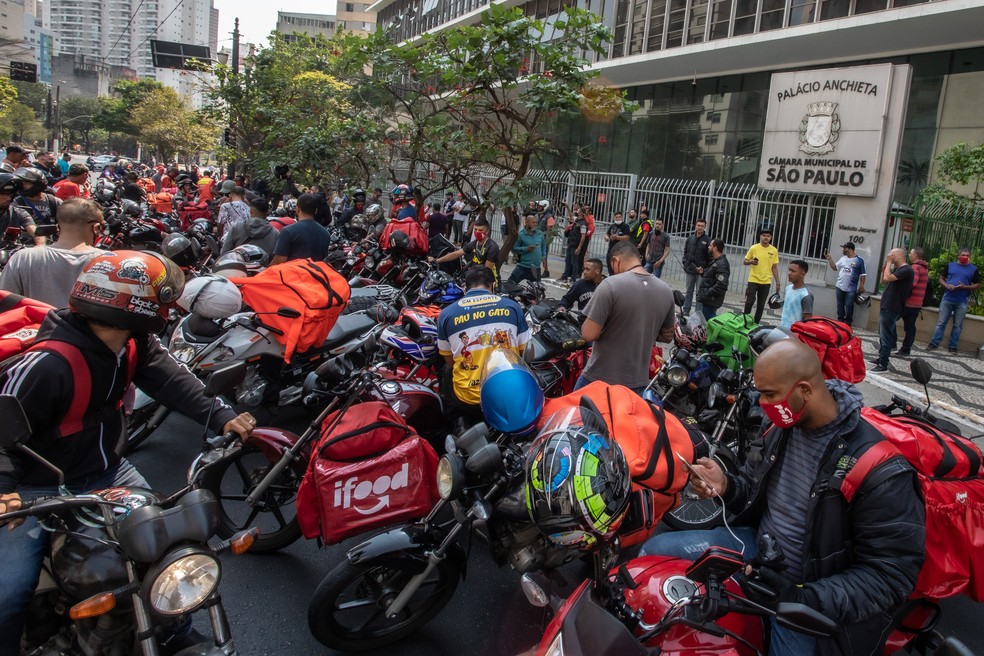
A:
(511, 399)
(439, 287)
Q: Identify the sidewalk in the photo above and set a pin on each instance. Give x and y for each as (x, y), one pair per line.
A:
(957, 388)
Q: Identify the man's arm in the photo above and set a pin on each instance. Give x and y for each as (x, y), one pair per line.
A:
(806, 305)
(567, 301)
(597, 312)
(666, 254)
(861, 280)
(590, 330)
(830, 261)
(448, 257)
(580, 244)
(775, 274)
(748, 258)
(887, 275)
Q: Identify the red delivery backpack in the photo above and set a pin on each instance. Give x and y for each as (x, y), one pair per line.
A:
(20, 318)
(950, 470)
(368, 470)
(839, 350)
(312, 288)
(650, 439)
(419, 243)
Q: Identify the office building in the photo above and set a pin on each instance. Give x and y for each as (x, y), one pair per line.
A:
(290, 24)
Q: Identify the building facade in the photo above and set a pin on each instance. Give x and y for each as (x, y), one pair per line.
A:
(355, 17)
(290, 24)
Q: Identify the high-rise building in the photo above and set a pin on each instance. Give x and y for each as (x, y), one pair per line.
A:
(12, 45)
(355, 17)
(289, 23)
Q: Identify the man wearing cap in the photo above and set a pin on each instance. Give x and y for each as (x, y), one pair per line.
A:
(850, 280)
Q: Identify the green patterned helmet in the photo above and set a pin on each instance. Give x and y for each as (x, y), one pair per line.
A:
(577, 480)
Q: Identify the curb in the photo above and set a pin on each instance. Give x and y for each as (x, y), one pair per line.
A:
(940, 408)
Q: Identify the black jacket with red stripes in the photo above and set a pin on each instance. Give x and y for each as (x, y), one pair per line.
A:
(43, 383)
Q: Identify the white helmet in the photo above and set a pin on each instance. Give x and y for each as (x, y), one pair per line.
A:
(212, 297)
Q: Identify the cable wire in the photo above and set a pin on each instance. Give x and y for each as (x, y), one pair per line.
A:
(140, 45)
(128, 24)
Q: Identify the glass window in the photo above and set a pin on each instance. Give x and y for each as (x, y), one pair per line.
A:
(802, 12)
(698, 21)
(865, 6)
(720, 19)
(678, 11)
(638, 32)
(773, 15)
(745, 17)
(657, 19)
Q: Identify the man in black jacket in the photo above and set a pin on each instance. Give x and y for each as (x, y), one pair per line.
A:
(695, 259)
(119, 301)
(714, 279)
(854, 561)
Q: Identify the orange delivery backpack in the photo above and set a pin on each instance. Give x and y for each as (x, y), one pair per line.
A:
(651, 440)
(312, 288)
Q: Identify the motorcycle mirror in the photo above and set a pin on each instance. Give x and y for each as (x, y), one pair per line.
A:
(802, 618)
(921, 371)
(485, 460)
(474, 438)
(225, 378)
(16, 427)
(678, 298)
(289, 313)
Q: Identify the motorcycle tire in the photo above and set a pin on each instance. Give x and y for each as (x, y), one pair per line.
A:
(694, 513)
(375, 584)
(139, 425)
(234, 478)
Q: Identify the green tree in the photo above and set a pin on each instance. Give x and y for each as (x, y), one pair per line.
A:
(166, 123)
(961, 166)
(78, 116)
(32, 94)
(8, 96)
(20, 124)
(116, 113)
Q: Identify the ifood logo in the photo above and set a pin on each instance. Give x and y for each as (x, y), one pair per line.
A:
(358, 490)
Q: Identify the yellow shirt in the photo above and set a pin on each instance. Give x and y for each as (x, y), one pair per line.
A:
(761, 273)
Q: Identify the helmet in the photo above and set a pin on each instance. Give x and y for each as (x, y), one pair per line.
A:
(765, 336)
(182, 251)
(862, 299)
(290, 206)
(131, 209)
(419, 348)
(128, 289)
(212, 297)
(8, 185)
(202, 226)
(30, 181)
(510, 397)
(252, 255)
(775, 301)
(439, 287)
(399, 241)
(543, 205)
(577, 479)
(401, 192)
(359, 195)
(106, 193)
(374, 212)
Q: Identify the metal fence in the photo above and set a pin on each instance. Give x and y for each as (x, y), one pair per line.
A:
(940, 226)
(801, 223)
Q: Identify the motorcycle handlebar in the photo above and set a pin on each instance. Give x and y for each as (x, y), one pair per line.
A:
(49, 505)
(222, 441)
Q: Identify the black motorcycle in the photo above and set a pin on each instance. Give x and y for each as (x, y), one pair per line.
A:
(128, 566)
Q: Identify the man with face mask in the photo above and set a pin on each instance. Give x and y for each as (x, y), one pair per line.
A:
(854, 561)
(961, 279)
(618, 231)
(898, 275)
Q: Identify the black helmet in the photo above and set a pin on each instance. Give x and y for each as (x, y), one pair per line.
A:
(106, 193)
(202, 226)
(131, 209)
(30, 181)
(359, 195)
(183, 251)
(399, 241)
(765, 336)
(775, 301)
(8, 184)
(862, 299)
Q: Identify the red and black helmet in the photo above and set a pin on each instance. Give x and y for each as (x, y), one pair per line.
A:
(131, 290)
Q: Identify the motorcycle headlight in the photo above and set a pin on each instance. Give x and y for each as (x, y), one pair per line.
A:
(369, 262)
(182, 351)
(450, 476)
(184, 584)
(677, 375)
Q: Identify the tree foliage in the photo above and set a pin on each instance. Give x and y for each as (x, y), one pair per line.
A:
(8, 96)
(20, 124)
(78, 116)
(962, 166)
(164, 121)
(116, 114)
(32, 94)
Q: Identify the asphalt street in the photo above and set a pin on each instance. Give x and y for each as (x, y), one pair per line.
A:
(266, 596)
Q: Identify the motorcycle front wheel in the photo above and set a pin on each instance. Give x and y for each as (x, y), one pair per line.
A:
(275, 514)
(695, 513)
(142, 422)
(348, 610)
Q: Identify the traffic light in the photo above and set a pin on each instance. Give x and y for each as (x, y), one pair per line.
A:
(23, 71)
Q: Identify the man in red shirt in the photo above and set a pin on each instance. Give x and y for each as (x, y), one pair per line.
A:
(74, 183)
(914, 303)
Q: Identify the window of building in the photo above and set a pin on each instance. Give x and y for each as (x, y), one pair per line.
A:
(865, 6)
(698, 21)
(720, 19)
(802, 12)
(713, 117)
(745, 17)
(349, 7)
(834, 9)
(711, 139)
(773, 15)
(675, 19)
(657, 20)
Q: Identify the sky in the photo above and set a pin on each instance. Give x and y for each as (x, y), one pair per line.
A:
(257, 18)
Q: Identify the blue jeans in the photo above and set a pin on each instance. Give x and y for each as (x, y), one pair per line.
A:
(692, 280)
(947, 309)
(23, 549)
(845, 305)
(888, 334)
(708, 311)
(689, 545)
(655, 270)
(573, 263)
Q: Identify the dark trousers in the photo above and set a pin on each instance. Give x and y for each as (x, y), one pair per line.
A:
(573, 263)
(523, 272)
(756, 293)
(845, 305)
(457, 227)
(888, 335)
(909, 317)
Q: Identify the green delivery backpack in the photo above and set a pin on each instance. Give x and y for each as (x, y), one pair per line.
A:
(731, 330)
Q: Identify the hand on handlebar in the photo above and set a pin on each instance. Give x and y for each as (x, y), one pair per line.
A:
(9, 503)
(243, 425)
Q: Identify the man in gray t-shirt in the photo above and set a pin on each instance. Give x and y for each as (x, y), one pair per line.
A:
(628, 313)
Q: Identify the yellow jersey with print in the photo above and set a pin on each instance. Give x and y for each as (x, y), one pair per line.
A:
(761, 273)
(470, 329)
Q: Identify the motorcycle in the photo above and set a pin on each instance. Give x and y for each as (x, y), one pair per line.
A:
(13, 240)
(126, 566)
(556, 353)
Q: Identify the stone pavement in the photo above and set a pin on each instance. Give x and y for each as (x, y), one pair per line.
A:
(957, 387)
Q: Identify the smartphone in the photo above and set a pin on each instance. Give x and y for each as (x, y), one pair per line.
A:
(716, 562)
(690, 468)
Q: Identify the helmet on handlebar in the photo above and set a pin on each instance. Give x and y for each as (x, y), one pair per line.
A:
(765, 336)
(775, 301)
(212, 297)
(510, 396)
(439, 287)
(182, 251)
(374, 212)
(131, 209)
(30, 181)
(577, 479)
(130, 290)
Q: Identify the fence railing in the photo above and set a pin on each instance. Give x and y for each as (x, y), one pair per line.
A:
(940, 226)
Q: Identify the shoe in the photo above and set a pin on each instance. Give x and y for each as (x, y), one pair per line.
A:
(874, 360)
(879, 369)
(953, 350)
(902, 352)
(931, 347)
(546, 273)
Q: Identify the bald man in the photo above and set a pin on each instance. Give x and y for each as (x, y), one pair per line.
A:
(856, 561)
(899, 277)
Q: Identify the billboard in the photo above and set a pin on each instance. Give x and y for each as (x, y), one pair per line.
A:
(168, 54)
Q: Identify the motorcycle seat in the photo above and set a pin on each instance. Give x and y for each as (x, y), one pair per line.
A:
(201, 330)
(541, 311)
(347, 327)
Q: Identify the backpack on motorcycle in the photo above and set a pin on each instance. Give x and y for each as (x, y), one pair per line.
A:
(651, 440)
(20, 318)
(368, 470)
(839, 350)
(419, 242)
(950, 472)
(314, 289)
(731, 330)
